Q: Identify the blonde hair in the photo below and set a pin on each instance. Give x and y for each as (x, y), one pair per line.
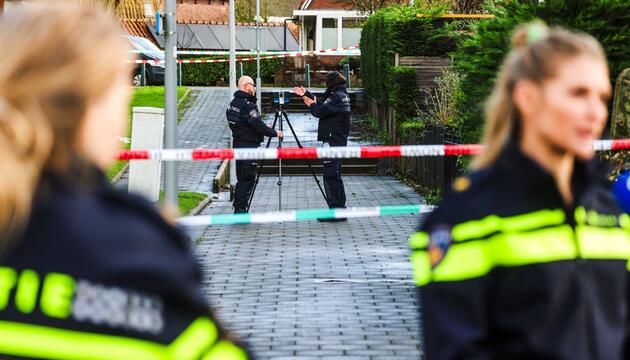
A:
(56, 60)
(537, 51)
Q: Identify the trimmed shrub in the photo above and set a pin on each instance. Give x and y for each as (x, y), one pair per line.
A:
(209, 73)
(398, 29)
(403, 90)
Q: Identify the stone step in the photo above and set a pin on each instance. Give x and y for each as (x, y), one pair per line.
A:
(300, 167)
(303, 170)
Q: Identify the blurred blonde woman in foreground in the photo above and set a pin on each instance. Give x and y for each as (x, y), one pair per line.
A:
(527, 257)
(85, 272)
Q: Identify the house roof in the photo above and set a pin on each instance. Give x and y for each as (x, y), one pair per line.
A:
(136, 27)
(215, 36)
(323, 5)
(189, 11)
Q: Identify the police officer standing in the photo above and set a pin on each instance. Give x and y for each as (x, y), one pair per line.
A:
(528, 257)
(334, 126)
(248, 131)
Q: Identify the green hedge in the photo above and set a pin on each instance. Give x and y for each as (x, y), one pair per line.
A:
(209, 73)
(397, 29)
(480, 54)
(403, 90)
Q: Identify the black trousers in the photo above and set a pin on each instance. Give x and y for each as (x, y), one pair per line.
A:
(245, 179)
(333, 183)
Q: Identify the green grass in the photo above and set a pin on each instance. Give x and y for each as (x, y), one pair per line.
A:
(152, 96)
(147, 96)
(115, 168)
(188, 200)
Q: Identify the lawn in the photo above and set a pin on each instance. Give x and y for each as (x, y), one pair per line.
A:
(148, 96)
(188, 200)
(153, 96)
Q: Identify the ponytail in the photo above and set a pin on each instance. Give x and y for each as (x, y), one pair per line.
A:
(25, 144)
(57, 59)
(537, 52)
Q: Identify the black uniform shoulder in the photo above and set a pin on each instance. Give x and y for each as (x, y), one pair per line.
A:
(153, 241)
(251, 109)
(114, 238)
(598, 194)
(245, 105)
(338, 97)
(341, 92)
(239, 102)
(243, 100)
(248, 104)
(473, 196)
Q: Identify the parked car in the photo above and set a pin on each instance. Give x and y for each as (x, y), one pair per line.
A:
(147, 51)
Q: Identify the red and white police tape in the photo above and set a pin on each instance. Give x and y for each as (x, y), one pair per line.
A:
(328, 152)
(340, 51)
(352, 49)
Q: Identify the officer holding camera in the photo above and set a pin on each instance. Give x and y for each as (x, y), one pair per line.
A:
(248, 131)
(333, 129)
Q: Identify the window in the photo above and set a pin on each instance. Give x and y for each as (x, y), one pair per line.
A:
(329, 33)
(351, 33)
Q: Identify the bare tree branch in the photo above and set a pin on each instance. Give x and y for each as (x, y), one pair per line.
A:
(368, 7)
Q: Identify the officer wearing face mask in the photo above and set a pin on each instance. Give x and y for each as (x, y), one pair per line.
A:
(334, 126)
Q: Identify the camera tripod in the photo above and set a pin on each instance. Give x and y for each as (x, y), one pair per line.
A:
(279, 118)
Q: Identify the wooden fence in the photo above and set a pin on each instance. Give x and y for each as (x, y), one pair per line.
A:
(433, 172)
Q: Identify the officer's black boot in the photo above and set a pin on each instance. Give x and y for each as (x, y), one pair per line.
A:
(333, 185)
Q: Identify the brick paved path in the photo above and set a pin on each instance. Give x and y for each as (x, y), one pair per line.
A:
(313, 290)
(203, 126)
(305, 290)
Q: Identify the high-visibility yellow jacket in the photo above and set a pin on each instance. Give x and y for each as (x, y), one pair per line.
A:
(506, 271)
(99, 275)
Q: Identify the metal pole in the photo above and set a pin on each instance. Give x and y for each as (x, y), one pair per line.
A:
(232, 20)
(346, 74)
(307, 75)
(285, 34)
(143, 75)
(258, 82)
(280, 102)
(240, 64)
(170, 102)
(179, 74)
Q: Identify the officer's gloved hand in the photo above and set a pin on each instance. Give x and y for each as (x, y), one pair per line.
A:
(280, 134)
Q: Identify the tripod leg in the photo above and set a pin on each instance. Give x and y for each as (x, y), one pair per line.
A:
(260, 167)
(308, 162)
(280, 166)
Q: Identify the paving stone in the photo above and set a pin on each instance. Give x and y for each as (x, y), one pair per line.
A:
(325, 290)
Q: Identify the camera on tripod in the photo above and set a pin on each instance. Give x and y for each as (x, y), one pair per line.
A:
(280, 99)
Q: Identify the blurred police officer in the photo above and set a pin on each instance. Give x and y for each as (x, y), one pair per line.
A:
(334, 126)
(248, 131)
(86, 272)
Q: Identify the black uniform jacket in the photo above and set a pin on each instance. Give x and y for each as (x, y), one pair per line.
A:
(334, 116)
(507, 271)
(244, 120)
(100, 275)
